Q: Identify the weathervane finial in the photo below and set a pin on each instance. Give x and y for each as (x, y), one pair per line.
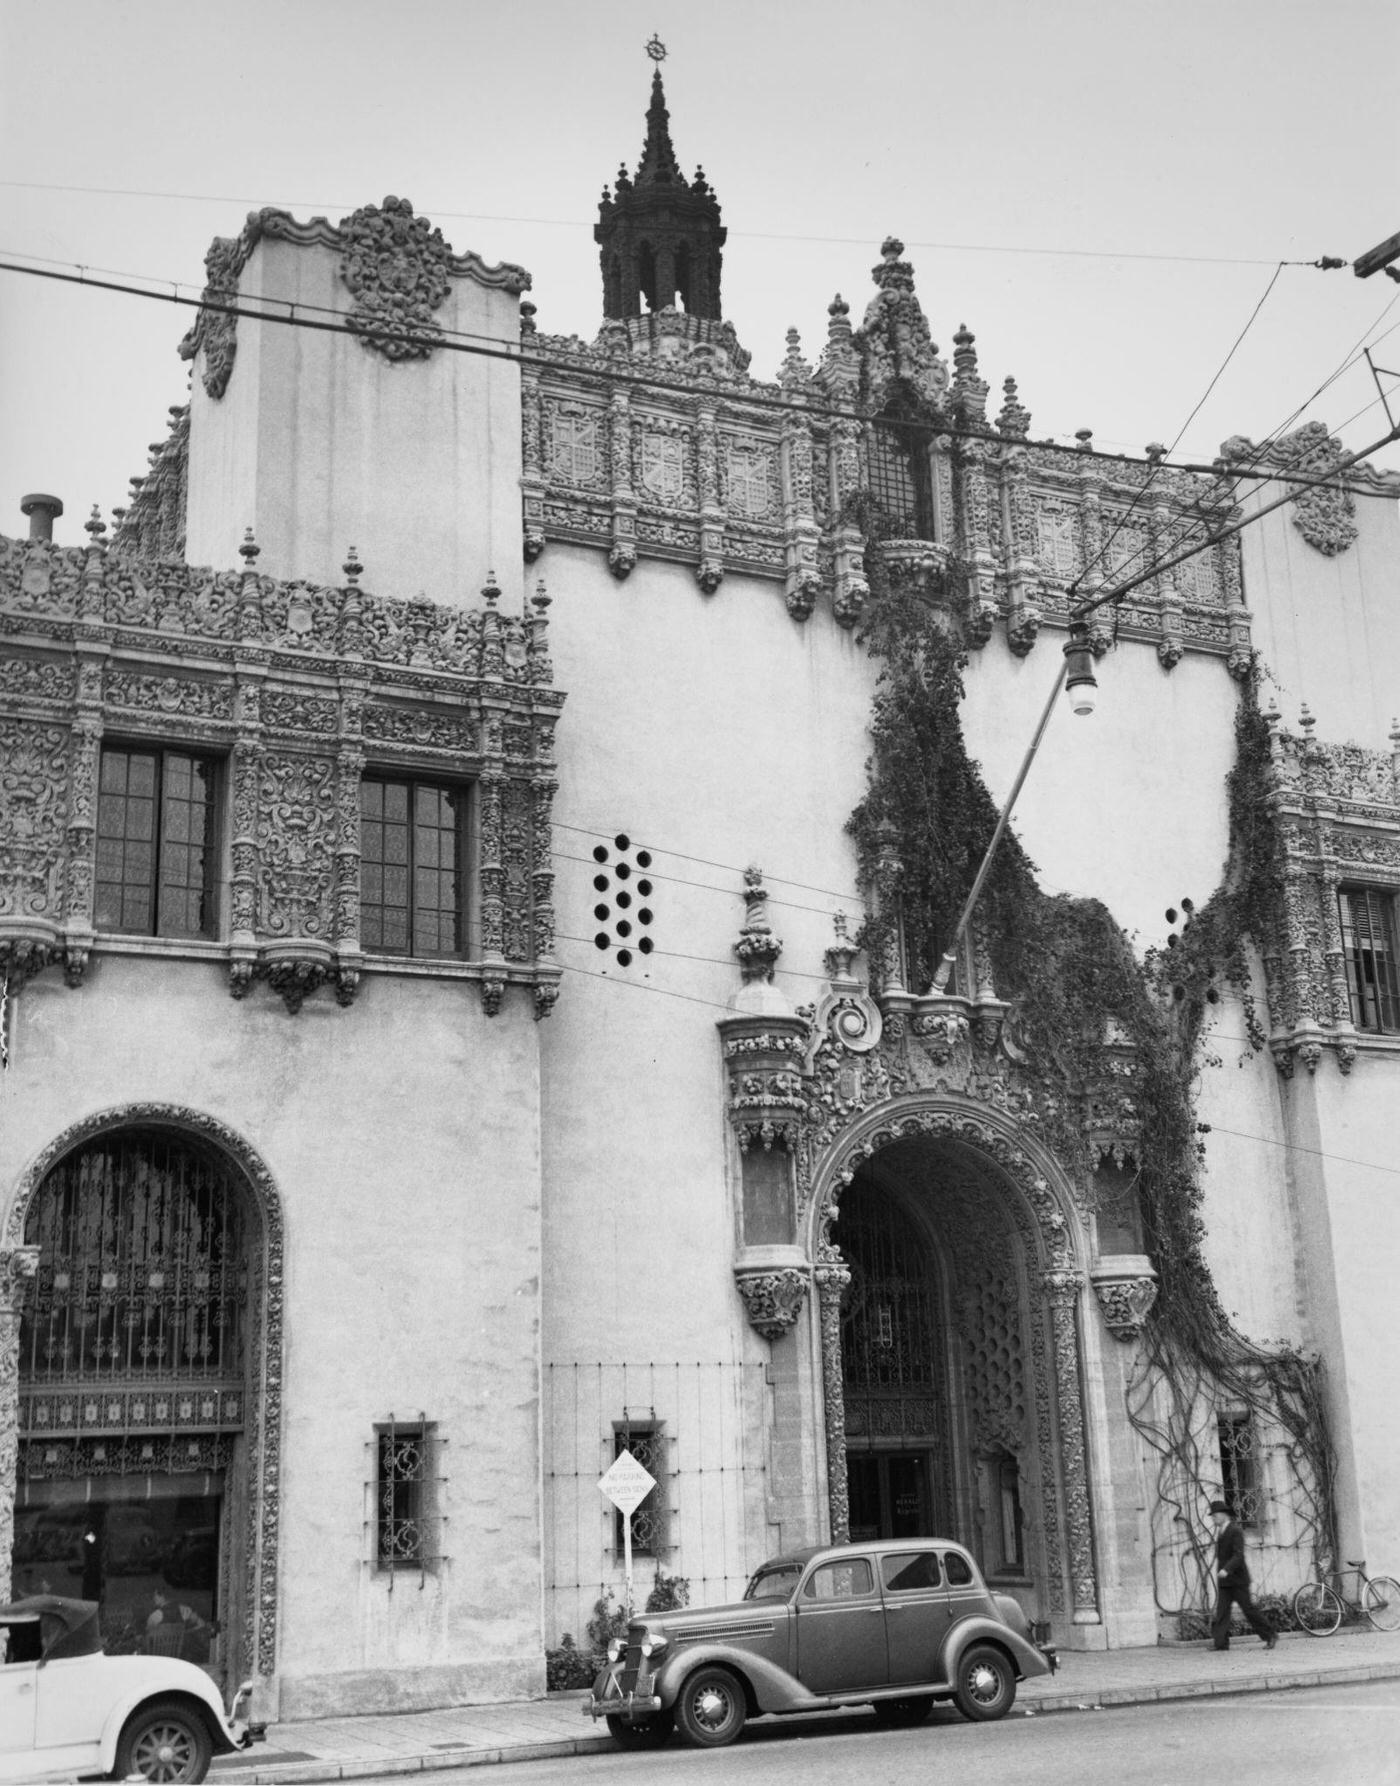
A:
(656, 49)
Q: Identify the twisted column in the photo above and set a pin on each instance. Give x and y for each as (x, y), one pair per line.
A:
(833, 1279)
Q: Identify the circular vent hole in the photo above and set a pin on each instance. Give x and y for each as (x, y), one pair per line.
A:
(623, 927)
(602, 940)
(644, 858)
(644, 888)
(601, 883)
(644, 916)
(646, 945)
(623, 871)
(623, 843)
(624, 899)
(625, 957)
(601, 913)
(600, 852)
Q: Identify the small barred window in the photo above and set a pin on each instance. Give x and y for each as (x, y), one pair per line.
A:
(405, 1500)
(1239, 1468)
(646, 1440)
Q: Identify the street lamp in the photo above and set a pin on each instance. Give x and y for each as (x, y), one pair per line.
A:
(1080, 685)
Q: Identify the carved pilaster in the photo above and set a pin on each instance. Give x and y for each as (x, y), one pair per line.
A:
(833, 1279)
(622, 556)
(532, 483)
(1062, 1290)
(802, 577)
(709, 573)
(18, 1266)
(848, 547)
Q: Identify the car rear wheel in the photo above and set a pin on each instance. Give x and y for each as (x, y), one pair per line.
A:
(711, 1708)
(167, 1743)
(648, 1733)
(986, 1684)
(899, 1714)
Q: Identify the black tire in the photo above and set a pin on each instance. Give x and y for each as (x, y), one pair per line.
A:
(986, 1683)
(1381, 1602)
(901, 1714)
(651, 1733)
(166, 1742)
(711, 1708)
(1316, 1609)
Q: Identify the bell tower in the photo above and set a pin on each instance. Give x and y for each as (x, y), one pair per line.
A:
(659, 235)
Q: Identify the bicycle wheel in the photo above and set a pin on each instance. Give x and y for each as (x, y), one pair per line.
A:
(1381, 1602)
(1317, 1609)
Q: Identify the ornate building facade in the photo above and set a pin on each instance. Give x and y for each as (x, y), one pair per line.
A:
(394, 1127)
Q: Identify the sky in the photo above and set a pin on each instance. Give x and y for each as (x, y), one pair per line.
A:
(1102, 190)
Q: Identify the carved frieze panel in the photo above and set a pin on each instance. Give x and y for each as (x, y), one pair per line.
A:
(749, 478)
(577, 451)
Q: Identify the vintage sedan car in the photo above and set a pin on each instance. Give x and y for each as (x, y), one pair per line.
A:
(67, 1709)
(894, 1625)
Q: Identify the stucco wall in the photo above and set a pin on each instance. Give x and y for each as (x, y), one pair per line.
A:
(403, 1137)
(320, 443)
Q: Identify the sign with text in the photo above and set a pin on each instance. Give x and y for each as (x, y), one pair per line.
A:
(627, 1484)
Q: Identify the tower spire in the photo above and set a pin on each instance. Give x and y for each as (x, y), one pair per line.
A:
(659, 234)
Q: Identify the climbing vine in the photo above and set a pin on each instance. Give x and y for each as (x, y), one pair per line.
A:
(1077, 988)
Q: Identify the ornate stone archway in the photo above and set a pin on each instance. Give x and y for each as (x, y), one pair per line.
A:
(18, 1263)
(1037, 1199)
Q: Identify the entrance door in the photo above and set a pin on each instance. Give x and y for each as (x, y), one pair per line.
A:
(889, 1495)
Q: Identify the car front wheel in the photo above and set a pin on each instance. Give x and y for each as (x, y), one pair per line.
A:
(986, 1684)
(646, 1733)
(167, 1743)
(711, 1709)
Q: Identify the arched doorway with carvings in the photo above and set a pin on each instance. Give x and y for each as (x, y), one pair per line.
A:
(149, 1344)
(949, 1267)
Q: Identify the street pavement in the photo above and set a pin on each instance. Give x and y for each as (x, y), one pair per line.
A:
(420, 1742)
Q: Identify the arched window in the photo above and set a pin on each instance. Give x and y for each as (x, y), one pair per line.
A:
(134, 1385)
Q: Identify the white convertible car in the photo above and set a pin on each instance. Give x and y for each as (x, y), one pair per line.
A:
(67, 1709)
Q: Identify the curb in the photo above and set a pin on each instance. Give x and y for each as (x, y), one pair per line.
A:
(294, 1773)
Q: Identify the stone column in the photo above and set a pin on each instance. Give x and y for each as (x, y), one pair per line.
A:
(1062, 1290)
(833, 1280)
(17, 1266)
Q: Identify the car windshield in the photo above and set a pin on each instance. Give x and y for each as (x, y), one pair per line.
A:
(774, 1582)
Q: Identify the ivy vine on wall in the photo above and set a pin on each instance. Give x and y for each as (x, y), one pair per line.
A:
(1076, 986)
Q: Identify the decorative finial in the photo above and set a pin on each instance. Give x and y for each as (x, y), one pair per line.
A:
(541, 599)
(757, 948)
(1085, 437)
(527, 317)
(655, 48)
(1014, 419)
(1156, 452)
(250, 548)
(794, 369)
(491, 590)
(352, 566)
(95, 526)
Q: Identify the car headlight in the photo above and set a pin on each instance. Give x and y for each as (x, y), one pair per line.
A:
(654, 1642)
(615, 1648)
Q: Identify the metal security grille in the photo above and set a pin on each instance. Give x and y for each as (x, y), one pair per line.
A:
(891, 1346)
(1368, 947)
(155, 843)
(142, 1288)
(896, 469)
(411, 835)
(1239, 1468)
(647, 1443)
(401, 1487)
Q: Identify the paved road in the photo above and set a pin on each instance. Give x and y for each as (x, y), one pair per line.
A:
(1326, 1736)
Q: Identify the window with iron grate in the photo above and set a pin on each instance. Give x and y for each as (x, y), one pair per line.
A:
(1369, 951)
(1239, 1468)
(646, 1440)
(897, 471)
(405, 1494)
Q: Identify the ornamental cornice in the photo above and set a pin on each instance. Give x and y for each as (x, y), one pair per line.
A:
(294, 687)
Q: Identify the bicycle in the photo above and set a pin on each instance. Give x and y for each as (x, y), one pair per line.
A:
(1318, 1606)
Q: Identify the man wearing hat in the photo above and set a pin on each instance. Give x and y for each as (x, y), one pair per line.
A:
(1232, 1581)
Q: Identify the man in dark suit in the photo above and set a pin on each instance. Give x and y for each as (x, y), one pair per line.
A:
(1232, 1581)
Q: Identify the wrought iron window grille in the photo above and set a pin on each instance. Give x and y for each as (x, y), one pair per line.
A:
(646, 1440)
(1242, 1490)
(405, 1494)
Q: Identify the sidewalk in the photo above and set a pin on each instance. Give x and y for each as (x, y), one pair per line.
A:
(418, 1742)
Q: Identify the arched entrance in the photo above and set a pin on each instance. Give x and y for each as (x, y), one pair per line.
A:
(949, 1279)
(147, 1373)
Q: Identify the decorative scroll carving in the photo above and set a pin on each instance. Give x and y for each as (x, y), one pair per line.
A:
(773, 1298)
(18, 1266)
